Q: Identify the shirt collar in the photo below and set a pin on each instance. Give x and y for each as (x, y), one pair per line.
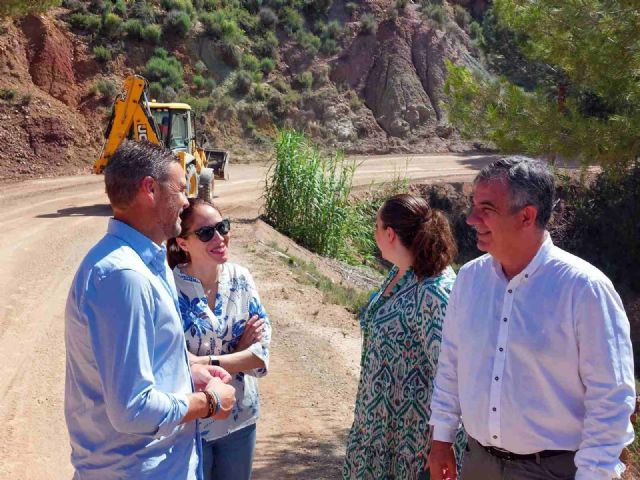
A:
(149, 251)
(536, 262)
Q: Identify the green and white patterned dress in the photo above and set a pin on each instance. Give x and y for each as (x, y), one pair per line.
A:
(402, 333)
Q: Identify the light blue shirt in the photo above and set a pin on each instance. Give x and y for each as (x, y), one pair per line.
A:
(127, 375)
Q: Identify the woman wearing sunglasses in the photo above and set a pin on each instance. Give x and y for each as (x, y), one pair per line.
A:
(224, 324)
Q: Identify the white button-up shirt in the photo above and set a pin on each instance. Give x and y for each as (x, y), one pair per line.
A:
(539, 362)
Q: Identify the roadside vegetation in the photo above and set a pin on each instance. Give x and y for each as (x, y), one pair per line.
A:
(238, 76)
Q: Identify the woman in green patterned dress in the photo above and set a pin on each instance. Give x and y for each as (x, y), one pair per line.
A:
(401, 331)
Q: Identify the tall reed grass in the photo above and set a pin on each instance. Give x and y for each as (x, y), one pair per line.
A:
(307, 194)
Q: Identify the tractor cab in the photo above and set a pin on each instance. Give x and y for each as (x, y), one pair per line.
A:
(175, 125)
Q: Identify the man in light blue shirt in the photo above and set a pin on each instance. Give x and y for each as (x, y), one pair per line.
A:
(130, 399)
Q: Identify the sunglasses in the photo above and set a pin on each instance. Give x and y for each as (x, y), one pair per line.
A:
(207, 232)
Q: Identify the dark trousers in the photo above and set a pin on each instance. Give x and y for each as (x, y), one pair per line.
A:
(481, 465)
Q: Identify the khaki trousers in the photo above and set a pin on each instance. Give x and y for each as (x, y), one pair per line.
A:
(479, 464)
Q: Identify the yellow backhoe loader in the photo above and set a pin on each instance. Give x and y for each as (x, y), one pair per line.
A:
(169, 124)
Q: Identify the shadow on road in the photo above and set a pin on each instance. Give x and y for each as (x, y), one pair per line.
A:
(97, 210)
(300, 457)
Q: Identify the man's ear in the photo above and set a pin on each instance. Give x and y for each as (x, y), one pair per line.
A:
(529, 215)
(148, 188)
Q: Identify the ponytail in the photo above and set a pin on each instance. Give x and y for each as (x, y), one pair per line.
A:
(424, 231)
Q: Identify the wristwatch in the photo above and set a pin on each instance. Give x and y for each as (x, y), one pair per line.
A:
(214, 361)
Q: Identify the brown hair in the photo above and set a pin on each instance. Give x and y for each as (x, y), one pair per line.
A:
(175, 255)
(424, 231)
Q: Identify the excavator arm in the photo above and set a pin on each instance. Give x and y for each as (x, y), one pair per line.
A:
(130, 118)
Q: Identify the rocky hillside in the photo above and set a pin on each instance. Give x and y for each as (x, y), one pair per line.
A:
(365, 77)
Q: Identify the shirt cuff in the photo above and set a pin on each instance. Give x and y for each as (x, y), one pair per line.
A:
(584, 473)
(442, 433)
(180, 406)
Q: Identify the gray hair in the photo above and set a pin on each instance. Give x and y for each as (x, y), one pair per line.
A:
(130, 164)
(530, 182)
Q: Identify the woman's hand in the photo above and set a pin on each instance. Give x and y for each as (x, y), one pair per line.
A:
(252, 333)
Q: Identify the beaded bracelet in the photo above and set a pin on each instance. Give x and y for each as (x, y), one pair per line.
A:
(213, 403)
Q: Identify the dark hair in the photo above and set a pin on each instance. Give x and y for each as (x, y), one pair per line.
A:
(175, 255)
(130, 164)
(530, 182)
(424, 231)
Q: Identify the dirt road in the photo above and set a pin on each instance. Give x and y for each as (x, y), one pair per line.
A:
(47, 227)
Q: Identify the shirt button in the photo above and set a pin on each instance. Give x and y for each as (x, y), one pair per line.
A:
(504, 319)
(510, 291)
(494, 409)
(495, 437)
(497, 378)
(501, 349)
(526, 275)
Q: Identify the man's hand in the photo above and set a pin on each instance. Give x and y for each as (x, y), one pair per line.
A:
(442, 461)
(226, 394)
(252, 333)
(203, 374)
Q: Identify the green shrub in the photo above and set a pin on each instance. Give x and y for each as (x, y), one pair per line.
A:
(308, 41)
(329, 46)
(334, 29)
(250, 62)
(182, 5)
(243, 81)
(120, 7)
(261, 92)
(177, 22)
(461, 16)
(436, 13)
(210, 5)
(143, 12)
(198, 81)
(319, 7)
(304, 80)
(368, 24)
(306, 194)
(476, 32)
(102, 54)
(106, 88)
(267, 65)
(85, 22)
(112, 25)
(164, 69)
(268, 18)
(291, 20)
(351, 8)
(155, 90)
(7, 94)
(231, 53)
(199, 105)
(209, 84)
(152, 34)
(26, 99)
(200, 67)
(281, 85)
(134, 28)
(220, 24)
(266, 45)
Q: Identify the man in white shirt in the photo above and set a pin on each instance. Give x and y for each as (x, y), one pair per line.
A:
(536, 358)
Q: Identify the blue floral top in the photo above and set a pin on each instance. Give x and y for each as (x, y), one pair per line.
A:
(217, 332)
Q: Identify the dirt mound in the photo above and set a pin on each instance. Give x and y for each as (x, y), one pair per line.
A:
(42, 71)
(50, 58)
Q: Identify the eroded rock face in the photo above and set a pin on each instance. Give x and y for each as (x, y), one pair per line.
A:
(50, 55)
(400, 72)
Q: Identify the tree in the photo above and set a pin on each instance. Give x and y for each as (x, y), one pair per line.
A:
(18, 8)
(592, 113)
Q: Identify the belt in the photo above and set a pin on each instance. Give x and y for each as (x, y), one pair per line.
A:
(506, 455)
